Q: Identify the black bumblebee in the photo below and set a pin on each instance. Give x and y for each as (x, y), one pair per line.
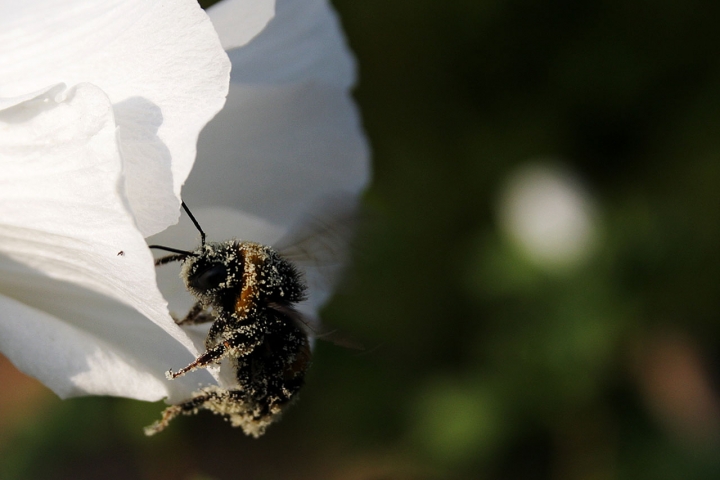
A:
(248, 291)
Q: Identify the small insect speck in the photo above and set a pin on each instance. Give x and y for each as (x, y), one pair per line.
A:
(121, 253)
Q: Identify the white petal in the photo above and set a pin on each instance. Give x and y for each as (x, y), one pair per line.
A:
(238, 21)
(47, 92)
(303, 42)
(64, 219)
(78, 342)
(290, 133)
(160, 63)
(288, 137)
(265, 162)
(273, 152)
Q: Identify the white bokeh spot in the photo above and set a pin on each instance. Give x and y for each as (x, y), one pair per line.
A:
(548, 214)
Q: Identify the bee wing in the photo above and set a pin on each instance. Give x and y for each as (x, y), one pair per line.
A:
(341, 340)
(313, 328)
(320, 244)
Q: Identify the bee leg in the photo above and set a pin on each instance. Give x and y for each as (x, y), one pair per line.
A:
(210, 356)
(237, 344)
(189, 407)
(196, 315)
(216, 330)
(168, 414)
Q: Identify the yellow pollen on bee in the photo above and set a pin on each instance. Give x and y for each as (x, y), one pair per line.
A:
(246, 300)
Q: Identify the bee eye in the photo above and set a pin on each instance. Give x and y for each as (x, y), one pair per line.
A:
(209, 278)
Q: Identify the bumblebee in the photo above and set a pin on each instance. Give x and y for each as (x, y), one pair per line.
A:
(248, 291)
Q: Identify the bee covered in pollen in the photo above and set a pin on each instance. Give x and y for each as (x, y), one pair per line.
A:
(248, 291)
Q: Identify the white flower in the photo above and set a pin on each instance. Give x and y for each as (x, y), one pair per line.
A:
(101, 104)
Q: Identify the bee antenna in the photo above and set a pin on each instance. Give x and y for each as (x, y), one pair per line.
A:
(174, 250)
(195, 222)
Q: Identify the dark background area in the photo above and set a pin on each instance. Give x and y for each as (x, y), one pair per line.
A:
(481, 363)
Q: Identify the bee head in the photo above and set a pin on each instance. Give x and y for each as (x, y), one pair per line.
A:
(236, 276)
(240, 276)
(213, 271)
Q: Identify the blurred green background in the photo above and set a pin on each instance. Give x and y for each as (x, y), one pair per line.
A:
(594, 357)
